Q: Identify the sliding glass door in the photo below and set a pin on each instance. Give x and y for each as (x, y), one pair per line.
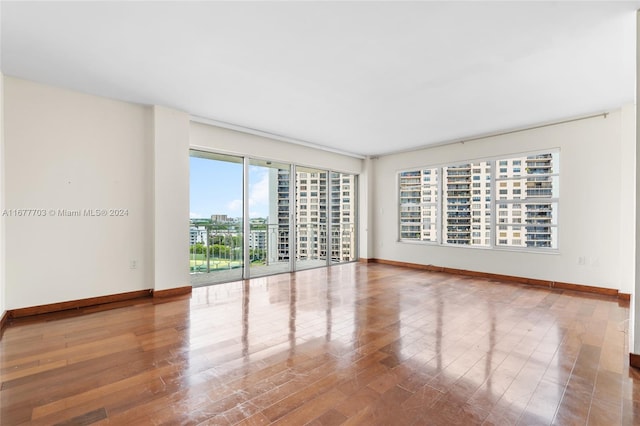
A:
(311, 218)
(251, 218)
(216, 225)
(343, 204)
(269, 217)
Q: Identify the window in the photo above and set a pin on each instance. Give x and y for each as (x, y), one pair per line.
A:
(416, 209)
(534, 197)
(441, 204)
(457, 210)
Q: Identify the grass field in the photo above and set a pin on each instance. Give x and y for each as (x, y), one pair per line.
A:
(215, 264)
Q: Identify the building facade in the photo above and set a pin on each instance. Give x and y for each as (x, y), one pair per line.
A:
(324, 210)
(521, 191)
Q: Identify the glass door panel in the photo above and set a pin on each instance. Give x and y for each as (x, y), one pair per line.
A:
(216, 227)
(343, 216)
(311, 218)
(269, 215)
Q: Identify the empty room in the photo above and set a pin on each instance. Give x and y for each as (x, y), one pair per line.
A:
(322, 213)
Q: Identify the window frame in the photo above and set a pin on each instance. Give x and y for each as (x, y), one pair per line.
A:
(493, 179)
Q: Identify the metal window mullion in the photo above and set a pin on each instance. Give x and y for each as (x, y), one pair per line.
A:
(356, 220)
(399, 225)
(494, 200)
(439, 203)
(245, 219)
(293, 232)
(327, 215)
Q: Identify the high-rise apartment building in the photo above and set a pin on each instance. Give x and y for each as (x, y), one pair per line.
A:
(279, 205)
(343, 202)
(525, 206)
(258, 239)
(468, 204)
(418, 204)
(539, 215)
(525, 190)
(314, 192)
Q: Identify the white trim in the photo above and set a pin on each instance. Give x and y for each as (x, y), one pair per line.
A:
(550, 150)
(462, 140)
(275, 136)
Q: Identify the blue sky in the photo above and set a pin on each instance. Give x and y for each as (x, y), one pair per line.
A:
(216, 188)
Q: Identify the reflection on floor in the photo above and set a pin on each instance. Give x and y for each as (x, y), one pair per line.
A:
(199, 279)
(352, 344)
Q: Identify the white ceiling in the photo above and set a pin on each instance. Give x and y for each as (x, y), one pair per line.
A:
(362, 77)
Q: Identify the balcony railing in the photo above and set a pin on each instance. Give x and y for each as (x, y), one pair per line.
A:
(540, 193)
(461, 214)
(219, 247)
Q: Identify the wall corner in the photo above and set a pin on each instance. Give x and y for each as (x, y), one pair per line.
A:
(170, 198)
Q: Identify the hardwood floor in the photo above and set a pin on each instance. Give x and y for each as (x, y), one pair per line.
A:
(354, 344)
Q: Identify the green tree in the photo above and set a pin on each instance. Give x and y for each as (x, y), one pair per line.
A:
(220, 251)
(197, 248)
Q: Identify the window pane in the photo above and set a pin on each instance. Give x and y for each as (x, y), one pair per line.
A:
(455, 201)
(458, 210)
(418, 190)
(538, 189)
(268, 217)
(311, 248)
(216, 253)
(343, 213)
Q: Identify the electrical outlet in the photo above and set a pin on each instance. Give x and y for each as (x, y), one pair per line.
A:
(133, 264)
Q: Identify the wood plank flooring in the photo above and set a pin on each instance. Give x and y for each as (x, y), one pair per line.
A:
(355, 344)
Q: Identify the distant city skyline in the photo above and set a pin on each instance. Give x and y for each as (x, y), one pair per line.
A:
(216, 188)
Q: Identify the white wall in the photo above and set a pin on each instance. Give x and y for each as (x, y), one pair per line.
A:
(171, 198)
(634, 308)
(366, 193)
(2, 192)
(2, 220)
(627, 210)
(591, 196)
(67, 150)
